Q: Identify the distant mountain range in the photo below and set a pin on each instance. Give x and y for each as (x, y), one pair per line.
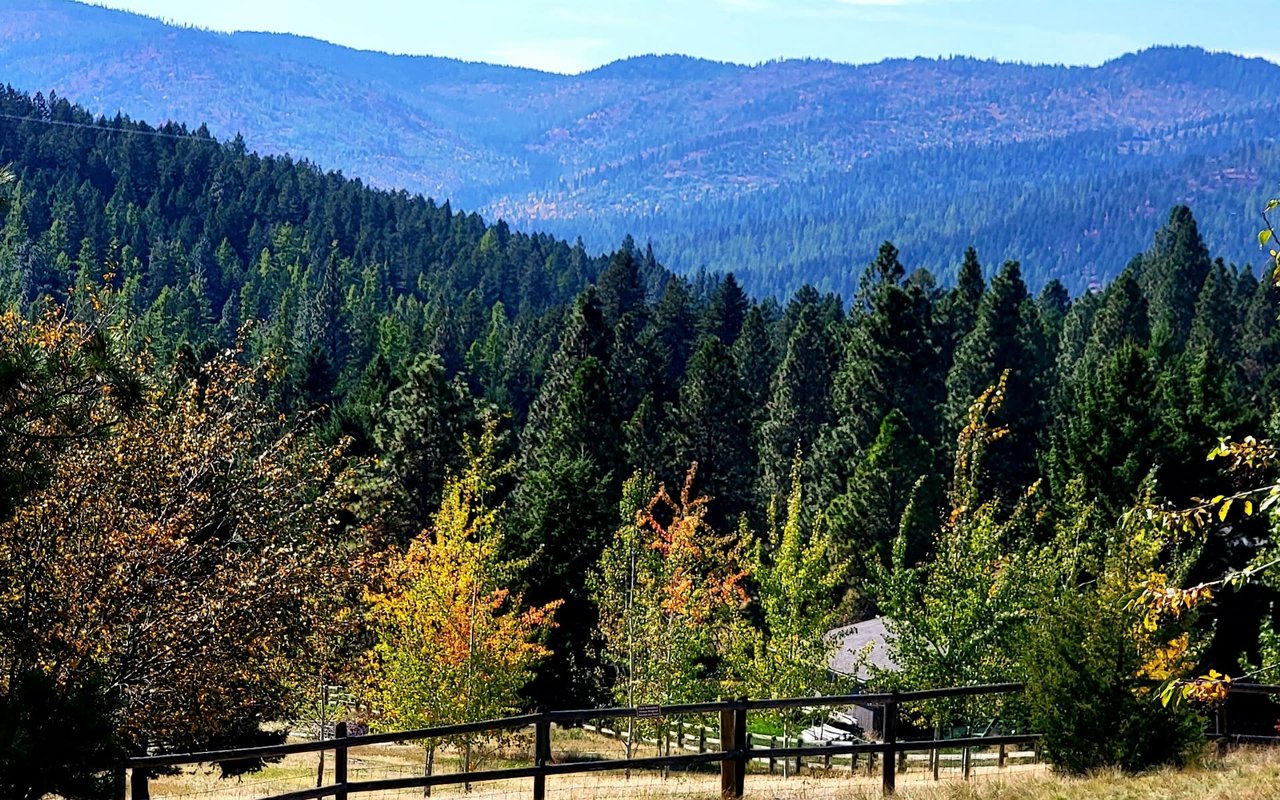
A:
(786, 172)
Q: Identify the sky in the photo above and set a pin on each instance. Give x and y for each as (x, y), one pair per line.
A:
(576, 35)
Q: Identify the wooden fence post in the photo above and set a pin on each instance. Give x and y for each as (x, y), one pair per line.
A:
(935, 755)
(138, 788)
(773, 762)
(889, 779)
(340, 761)
(964, 763)
(541, 755)
(702, 738)
(726, 744)
(733, 739)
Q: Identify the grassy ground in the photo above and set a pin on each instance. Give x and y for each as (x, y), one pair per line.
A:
(1243, 775)
(1248, 774)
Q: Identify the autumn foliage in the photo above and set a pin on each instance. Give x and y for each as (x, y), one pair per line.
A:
(180, 551)
(453, 642)
(671, 591)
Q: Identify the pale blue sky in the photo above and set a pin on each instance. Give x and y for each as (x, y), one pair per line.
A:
(574, 35)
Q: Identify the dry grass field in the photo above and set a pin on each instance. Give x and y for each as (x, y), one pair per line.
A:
(1246, 774)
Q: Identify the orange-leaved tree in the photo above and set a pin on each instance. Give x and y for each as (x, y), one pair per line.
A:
(670, 591)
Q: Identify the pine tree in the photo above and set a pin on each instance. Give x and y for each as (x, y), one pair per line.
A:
(674, 328)
(1172, 274)
(799, 401)
(420, 437)
(958, 311)
(1260, 343)
(561, 509)
(712, 427)
(727, 311)
(866, 517)
(1110, 440)
(754, 356)
(1122, 318)
(1053, 303)
(620, 289)
(1007, 337)
(890, 363)
(1213, 355)
(585, 336)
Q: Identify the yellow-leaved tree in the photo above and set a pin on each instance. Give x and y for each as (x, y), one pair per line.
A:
(454, 643)
(797, 575)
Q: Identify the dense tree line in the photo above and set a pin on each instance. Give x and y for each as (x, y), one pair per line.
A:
(402, 333)
(1074, 208)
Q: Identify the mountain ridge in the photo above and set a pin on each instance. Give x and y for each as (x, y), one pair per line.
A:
(628, 146)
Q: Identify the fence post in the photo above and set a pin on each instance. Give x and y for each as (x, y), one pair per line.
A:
(733, 735)
(541, 755)
(1004, 755)
(702, 738)
(964, 763)
(340, 761)
(773, 762)
(889, 780)
(726, 744)
(138, 788)
(935, 754)
(744, 746)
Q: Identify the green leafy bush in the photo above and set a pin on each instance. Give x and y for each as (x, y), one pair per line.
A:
(1085, 694)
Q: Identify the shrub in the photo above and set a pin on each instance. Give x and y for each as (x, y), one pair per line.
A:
(57, 740)
(1085, 694)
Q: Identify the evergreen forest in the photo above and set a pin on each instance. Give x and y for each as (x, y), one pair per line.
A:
(262, 425)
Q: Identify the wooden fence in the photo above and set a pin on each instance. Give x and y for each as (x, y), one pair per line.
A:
(735, 748)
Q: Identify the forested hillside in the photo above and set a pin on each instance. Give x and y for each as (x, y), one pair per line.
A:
(220, 367)
(402, 329)
(785, 173)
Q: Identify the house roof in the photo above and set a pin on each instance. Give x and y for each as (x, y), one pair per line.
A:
(870, 636)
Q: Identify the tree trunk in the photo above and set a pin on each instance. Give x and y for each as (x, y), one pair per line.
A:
(429, 767)
(786, 762)
(324, 708)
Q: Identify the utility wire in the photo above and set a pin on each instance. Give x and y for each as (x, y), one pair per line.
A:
(186, 137)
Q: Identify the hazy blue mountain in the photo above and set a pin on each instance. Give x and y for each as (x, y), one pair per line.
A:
(785, 172)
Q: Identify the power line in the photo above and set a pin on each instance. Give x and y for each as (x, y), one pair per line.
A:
(90, 126)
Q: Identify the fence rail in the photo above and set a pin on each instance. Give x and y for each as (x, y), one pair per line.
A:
(735, 746)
